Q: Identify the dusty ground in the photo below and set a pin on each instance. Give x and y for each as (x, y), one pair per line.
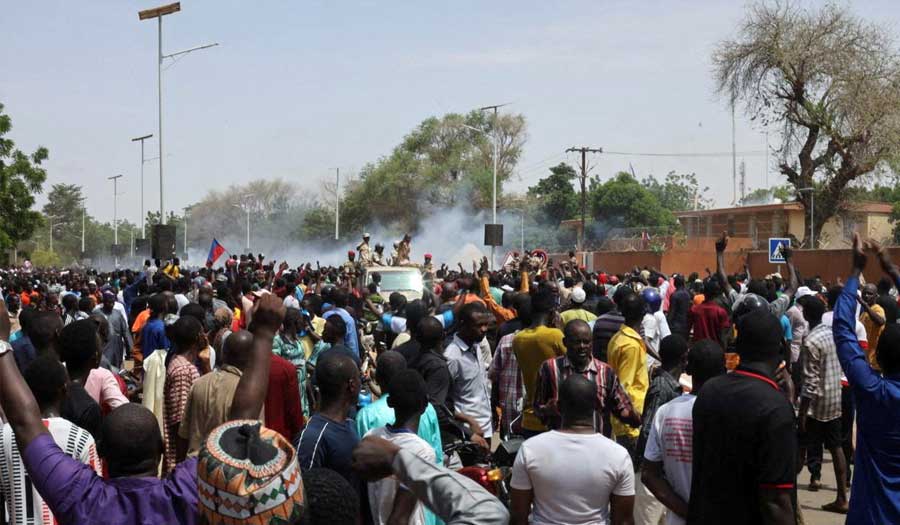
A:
(811, 502)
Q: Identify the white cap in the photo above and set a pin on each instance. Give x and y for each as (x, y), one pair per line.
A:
(803, 291)
(366, 236)
(578, 295)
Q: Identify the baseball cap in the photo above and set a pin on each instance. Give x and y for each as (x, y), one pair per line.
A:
(578, 295)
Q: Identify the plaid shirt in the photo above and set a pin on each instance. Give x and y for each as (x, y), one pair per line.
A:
(505, 374)
(821, 374)
(611, 396)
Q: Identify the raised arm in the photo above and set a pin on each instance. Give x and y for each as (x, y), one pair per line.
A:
(851, 356)
(250, 394)
(19, 406)
(721, 244)
(453, 497)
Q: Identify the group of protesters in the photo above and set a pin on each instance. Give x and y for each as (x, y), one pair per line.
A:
(258, 392)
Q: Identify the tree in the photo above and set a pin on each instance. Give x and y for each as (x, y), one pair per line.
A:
(443, 162)
(21, 177)
(555, 196)
(830, 80)
(622, 202)
(64, 202)
(678, 191)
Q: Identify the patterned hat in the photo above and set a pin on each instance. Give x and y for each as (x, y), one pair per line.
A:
(249, 474)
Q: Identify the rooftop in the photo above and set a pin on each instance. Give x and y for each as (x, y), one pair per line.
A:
(865, 207)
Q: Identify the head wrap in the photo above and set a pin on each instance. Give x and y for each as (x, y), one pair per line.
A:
(247, 473)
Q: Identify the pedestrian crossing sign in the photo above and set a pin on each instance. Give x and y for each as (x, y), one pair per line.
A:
(776, 247)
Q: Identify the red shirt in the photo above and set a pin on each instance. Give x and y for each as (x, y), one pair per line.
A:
(708, 320)
(283, 411)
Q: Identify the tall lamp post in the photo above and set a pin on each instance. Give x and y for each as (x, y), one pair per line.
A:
(812, 215)
(115, 180)
(187, 210)
(158, 13)
(143, 161)
(82, 225)
(51, 218)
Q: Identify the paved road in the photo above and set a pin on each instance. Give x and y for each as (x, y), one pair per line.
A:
(811, 502)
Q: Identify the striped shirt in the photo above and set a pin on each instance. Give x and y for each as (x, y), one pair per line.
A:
(180, 377)
(22, 503)
(821, 374)
(505, 373)
(611, 395)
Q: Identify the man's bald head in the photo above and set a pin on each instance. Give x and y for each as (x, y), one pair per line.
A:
(577, 399)
(429, 333)
(576, 327)
(238, 348)
(130, 441)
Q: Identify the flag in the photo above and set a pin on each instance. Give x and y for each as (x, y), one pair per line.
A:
(215, 251)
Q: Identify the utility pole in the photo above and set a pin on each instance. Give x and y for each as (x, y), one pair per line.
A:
(143, 161)
(337, 204)
(743, 175)
(82, 226)
(584, 150)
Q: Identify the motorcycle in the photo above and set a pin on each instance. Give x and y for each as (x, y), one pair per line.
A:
(492, 471)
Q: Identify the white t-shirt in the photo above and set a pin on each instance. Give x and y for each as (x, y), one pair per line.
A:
(23, 502)
(656, 328)
(671, 442)
(291, 302)
(382, 492)
(572, 476)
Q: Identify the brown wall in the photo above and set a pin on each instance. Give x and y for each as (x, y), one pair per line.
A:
(829, 264)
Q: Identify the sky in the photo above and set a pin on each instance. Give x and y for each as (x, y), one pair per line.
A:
(296, 89)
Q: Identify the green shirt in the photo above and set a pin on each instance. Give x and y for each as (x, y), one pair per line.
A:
(294, 353)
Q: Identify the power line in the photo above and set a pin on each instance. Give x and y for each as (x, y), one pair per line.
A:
(705, 154)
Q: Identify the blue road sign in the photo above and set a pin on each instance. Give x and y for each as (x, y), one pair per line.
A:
(776, 245)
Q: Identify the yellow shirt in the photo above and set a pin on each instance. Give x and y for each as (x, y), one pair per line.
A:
(873, 333)
(532, 347)
(627, 355)
(577, 313)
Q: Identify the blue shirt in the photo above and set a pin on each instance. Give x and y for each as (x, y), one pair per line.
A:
(130, 293)
(786, 328)
(24, 352)
(379, 414)
(329, 444)
(153, 337)
(350, 336)
(875, 493)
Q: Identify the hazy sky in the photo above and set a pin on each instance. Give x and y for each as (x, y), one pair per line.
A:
(298, 88)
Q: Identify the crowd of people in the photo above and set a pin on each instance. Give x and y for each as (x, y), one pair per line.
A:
(258, 392)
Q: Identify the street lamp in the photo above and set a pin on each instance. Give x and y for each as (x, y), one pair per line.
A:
(143, 161)
(812, 215)
(186, 210)
(158, 13)
(82, 224)
(50, 218)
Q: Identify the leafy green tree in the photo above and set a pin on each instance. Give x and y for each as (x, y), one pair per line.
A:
(622, 202)
(678, 191)
(443, 162)
(21, 177)
(555, 195)
(830, 80)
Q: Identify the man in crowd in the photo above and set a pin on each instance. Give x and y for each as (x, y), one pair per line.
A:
(211, 396)
(351, 339)
(46, 378)
(532, 346)
(664, 387)
(577, 309)
(611, 397)
(80, 350)
(744, 443)
(628, 357)
(390, 501)
(708, 320)
(573, 475)
(820, 397)
(666, 469)
(875, 495)
(389, 366)
(187, 336)
(872, 318)
(679, 308)
(330, 436)
(119, 343)
(469, 394)
(607, 325)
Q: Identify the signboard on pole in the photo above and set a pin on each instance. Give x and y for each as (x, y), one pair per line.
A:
(776, 248)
